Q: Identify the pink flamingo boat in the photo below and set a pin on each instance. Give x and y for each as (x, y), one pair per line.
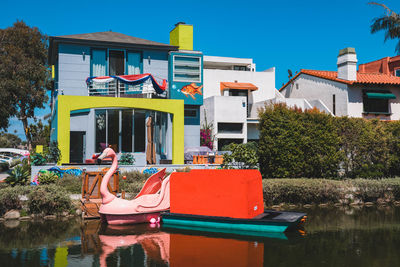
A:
(147, 205)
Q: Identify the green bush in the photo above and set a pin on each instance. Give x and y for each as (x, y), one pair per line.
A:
(48, 199)
(298, 144)
(37, 159)
(310, 144)
(301, 191)
(19, 175)
(134, 181)
(9, 199)
(71, 183)
(52, 152)
(243, 156)
(317, 191)
(126, 159)
(47, 177)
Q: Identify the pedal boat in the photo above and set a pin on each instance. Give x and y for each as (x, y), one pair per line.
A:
(145, 208)
(226, 201)
(268, 222)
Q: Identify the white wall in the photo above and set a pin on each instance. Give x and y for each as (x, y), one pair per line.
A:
(228, 109)
(73, 69)
(265, 81)
(355, 105)
(314, 88)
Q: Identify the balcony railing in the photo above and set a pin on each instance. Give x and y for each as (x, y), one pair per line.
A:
(116, 88)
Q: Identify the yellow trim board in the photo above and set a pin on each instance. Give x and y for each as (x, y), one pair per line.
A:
(68, 103)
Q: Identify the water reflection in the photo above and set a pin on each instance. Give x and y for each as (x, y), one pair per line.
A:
(333, 237)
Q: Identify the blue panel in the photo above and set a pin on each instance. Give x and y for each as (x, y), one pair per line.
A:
(98, 66)
(134, 63)
(157, 55)
(73, 49)
(186, 77)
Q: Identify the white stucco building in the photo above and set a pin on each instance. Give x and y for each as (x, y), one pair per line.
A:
(233, 92)
(348, 92)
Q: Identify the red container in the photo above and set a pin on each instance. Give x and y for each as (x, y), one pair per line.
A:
(225, 193)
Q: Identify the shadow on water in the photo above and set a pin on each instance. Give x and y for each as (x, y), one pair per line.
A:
(332, 237)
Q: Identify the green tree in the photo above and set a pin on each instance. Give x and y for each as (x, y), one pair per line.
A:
(243, 156)
(24, 75)
(389, 22)
(9, 140)
(39, 133)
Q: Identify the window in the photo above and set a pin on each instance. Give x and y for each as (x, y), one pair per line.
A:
(187, 69)
(334, 104)
(230, 127)
(116, 62)
(191, 112)
(397, 72)
(241, 68)
(140, 131)
(222, 143)
(375, 105)
(123, 129)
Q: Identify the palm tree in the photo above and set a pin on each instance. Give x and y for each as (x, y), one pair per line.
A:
(390, 23)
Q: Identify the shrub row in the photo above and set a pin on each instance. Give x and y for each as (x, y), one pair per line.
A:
(309, 144)
(45, 199)
(317, 191)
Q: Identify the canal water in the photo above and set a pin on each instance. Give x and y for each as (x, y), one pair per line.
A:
(331, 237)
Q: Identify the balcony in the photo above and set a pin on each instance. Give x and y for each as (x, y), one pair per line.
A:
(134, 86)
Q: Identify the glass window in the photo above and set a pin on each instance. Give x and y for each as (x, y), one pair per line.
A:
(187, 68)
(397, 72)
(372, 105)
(113, 128)
(140, 130)
(242, 68)
(100, 120)
(191, 112)
(126, 130)
(222, 143)
(117, 62)
(230, 127)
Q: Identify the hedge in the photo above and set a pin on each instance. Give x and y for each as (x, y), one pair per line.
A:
(310, 144)
(318, 191)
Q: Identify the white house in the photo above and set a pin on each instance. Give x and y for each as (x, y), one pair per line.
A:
(233, 91)
(348, 92)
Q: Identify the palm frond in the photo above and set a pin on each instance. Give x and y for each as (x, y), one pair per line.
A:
(390, 23)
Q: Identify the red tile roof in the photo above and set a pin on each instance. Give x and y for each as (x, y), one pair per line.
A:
(362, 78)
(238, 86)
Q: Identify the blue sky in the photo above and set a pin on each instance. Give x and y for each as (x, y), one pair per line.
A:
(282, 34)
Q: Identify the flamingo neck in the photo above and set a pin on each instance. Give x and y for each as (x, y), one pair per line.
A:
(106, 196)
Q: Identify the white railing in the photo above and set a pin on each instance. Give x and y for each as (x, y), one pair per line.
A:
(118, 89)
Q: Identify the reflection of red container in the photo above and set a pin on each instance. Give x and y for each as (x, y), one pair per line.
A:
(225, 193)
(191, 250)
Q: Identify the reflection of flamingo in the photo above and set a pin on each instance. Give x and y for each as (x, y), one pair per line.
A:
(155, 245)
(145, 207)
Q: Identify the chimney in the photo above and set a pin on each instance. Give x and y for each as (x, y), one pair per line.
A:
(182, 36)
(347, 64)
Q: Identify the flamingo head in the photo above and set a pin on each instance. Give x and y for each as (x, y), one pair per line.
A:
(108, 152)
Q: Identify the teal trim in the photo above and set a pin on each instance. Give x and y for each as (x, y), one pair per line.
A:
(86, 110)
(275, 235)
(229, 226)
(380, 95)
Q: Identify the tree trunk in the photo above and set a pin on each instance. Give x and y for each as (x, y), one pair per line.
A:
(24, 120)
